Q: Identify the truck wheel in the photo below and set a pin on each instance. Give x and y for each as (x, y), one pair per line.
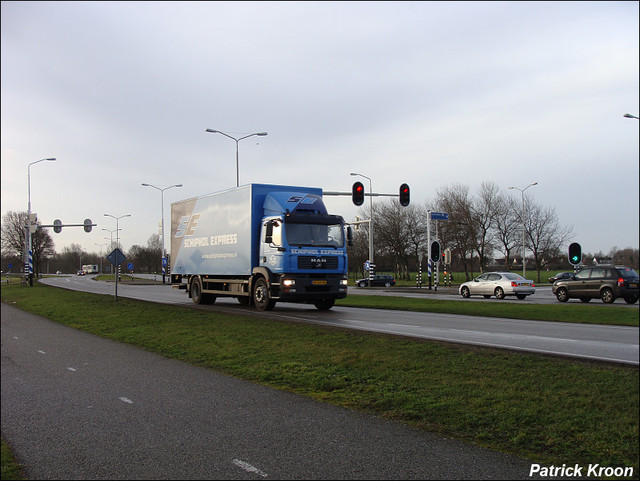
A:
(197, 295)
(261, 297)
(324, 304)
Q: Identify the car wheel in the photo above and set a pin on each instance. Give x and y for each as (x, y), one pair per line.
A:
(522, 297)
(362, 284)
(562, 294)
(631, 299)
(607, 295)
(387, 284)
(499, 293)
(464, 292)
(585, 299)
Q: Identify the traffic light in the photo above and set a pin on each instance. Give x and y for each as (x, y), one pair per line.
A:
(404, 195)
(435, 251)
(575, 254)
(357, 193)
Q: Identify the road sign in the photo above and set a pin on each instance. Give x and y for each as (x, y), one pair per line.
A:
(116, 257)
(439, 216)
(367, 266)
(130, 266)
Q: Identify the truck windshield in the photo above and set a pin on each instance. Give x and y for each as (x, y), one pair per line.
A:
(316, 235)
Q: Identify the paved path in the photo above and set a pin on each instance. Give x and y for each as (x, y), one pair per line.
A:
(77, 406)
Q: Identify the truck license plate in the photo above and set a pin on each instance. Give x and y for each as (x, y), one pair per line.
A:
(319, 283)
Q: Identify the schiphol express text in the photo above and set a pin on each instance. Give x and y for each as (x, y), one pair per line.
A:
(316, 252)
(214, 240)
(575, 471)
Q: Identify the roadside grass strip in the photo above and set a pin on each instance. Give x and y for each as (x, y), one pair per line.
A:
(549, 410)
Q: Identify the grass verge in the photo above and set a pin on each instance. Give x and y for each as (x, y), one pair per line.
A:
(612, 315)
(550, 410)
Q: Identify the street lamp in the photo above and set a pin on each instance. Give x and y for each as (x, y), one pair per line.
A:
(162, 220)
(261, 134)
(629, 116)
(523, 228)
(27, 240)
(370, 220)
(117, 246)
(117, 228)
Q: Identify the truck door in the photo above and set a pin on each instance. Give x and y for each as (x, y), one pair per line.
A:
(271, 250)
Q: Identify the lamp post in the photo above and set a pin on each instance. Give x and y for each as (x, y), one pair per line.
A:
(523, 226)
(370, 220)
(162, 220)
(117, 245)
(27, 240)
(237, 141)
(101, 245)
(629, 116)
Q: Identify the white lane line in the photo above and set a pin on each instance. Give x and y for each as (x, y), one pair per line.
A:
(42, 352)
(71, 369)
(249, 468)
(126, 400)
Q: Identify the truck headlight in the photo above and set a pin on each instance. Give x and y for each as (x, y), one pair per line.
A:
(344, 282)
(289, 282)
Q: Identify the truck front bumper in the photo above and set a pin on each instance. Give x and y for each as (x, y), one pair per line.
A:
(310, 287)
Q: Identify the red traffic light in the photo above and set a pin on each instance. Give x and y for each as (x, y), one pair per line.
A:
(404, 195)
(357, 193)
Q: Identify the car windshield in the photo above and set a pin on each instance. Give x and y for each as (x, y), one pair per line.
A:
(317, 235)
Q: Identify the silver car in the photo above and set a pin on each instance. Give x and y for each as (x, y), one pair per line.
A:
(499, 284)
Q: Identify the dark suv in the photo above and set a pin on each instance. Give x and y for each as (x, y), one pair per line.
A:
(386, 281)
(604, 282)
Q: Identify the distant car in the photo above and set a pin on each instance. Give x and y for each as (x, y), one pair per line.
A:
(560, 276)
(499, 284)
(58, 272)
(80, 273)
(377, 281)
(606, 282)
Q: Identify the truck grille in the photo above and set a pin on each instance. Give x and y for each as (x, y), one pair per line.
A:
(317, 262)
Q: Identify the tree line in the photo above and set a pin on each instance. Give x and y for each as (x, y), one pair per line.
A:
(484, 232)
(145, 259)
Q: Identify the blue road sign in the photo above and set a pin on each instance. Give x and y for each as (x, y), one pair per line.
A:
(439, 216)
(116, 257)
(130, 266)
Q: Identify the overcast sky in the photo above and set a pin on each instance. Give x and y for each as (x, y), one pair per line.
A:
(432, 94)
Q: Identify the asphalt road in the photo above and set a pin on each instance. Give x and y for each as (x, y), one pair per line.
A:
(77, 406)
(598, 342)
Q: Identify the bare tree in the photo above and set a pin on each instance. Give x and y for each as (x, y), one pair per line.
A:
(544, 234)
(13, 239)
(505, 223)
(458, 231)
(483, 212)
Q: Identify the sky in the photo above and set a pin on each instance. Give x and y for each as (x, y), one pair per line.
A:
(433, 94)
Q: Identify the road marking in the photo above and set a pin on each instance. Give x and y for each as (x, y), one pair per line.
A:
(71, 369)
(249, 468)
(126, 400)
(42, 352)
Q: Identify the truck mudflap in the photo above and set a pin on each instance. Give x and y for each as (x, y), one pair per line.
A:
(309, 288)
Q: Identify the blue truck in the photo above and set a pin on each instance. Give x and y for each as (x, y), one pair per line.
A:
(261, 244)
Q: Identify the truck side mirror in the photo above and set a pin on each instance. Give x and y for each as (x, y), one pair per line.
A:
(349, 236)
